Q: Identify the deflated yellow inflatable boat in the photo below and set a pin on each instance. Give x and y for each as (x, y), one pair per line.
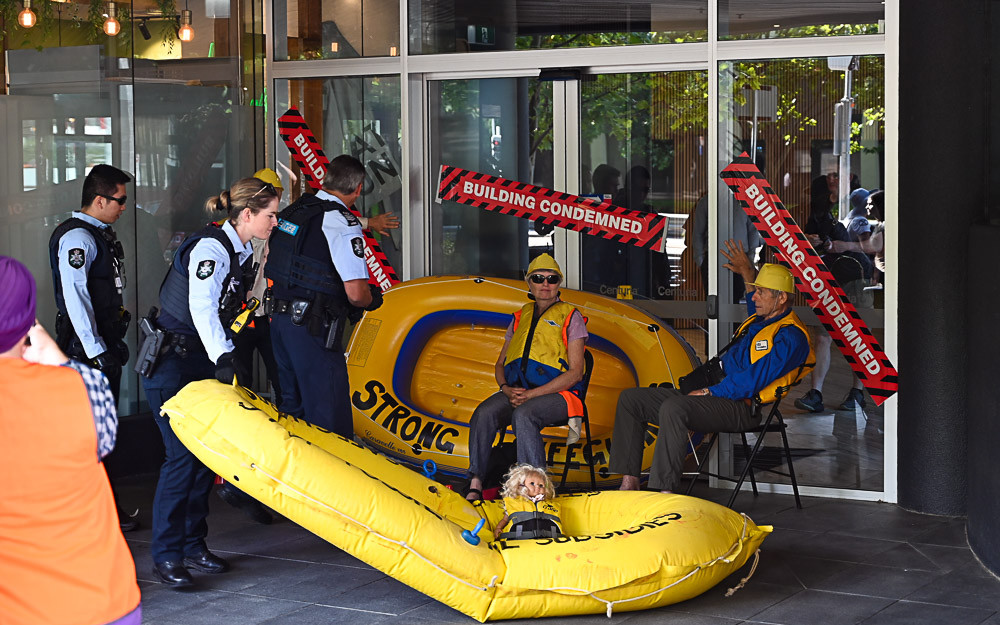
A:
(421, 363)
(622, 550)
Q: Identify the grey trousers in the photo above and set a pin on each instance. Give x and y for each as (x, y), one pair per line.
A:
(675, 414)
(495, 413)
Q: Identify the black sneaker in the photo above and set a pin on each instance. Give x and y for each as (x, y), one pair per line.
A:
(250, 506)
(811, 401)
(855, 397)
(127, 522)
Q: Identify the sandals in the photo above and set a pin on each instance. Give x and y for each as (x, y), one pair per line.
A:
(478, 495)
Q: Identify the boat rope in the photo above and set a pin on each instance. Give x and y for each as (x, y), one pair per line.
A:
(753, 567)
(726, 557)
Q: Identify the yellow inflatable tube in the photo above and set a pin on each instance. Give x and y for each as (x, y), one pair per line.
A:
(421, 363)
(622, 550)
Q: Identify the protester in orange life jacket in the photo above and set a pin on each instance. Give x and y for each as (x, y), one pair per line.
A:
(539, 374)
(771, 350)
(62, 555)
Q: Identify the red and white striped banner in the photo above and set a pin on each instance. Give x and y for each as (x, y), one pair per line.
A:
(312, 162)
(826, 297)
(573, 212)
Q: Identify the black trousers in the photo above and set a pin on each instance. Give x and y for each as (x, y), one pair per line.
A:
(259, 337)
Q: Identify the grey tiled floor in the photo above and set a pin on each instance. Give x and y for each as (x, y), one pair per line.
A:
(834, 562)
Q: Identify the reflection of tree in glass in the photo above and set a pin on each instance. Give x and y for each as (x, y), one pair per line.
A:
(819, 30)
(591, 40)
(807, 91)
(632, 110)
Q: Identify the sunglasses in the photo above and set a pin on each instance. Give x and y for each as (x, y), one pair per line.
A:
(267, 186)
(538, 278)
(121, 200)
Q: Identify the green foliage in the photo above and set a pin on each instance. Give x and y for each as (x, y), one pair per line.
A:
(592, 40)
(168, 8)
(634, 111)
(95, 15)
(816, 30)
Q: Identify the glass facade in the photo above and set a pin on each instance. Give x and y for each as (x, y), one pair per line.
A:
(650, 129)
(181, 116)
(335, 29)
(447, 26)
(644, 102)
(752, 19)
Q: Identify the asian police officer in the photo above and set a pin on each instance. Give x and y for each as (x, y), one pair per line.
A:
(317, 263)
(87, 275)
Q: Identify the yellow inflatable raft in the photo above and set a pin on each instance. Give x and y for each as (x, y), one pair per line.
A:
(421, 363)
(622, 550)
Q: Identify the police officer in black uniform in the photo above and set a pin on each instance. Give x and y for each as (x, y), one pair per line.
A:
(203, 292)
(317, 263)
(87, 275)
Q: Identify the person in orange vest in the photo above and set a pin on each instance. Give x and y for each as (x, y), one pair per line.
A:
(62, 555)
(539, 375)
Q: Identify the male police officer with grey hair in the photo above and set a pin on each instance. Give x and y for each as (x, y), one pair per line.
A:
(317, 263)
(769, 353)
(88, 277)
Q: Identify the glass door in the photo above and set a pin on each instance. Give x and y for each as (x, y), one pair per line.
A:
(643, 145)
(501, 127)
(785, 113)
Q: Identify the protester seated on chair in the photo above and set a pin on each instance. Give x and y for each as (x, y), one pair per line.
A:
(539, 373)
(771, 350)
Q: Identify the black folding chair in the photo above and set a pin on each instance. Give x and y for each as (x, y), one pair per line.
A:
(588, 361)
(772, 423)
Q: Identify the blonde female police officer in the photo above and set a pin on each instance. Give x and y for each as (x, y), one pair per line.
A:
(201, 295)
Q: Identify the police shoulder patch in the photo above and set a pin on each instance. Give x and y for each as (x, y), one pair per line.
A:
(77, 258)
(288, 227)
(205, 269)
(358, 245)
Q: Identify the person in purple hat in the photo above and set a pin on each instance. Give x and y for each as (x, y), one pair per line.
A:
(64, 558)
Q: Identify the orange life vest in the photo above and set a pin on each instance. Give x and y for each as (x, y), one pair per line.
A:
(62, 555)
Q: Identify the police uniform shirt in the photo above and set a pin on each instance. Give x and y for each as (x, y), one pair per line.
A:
(346, 241)
(208, 266)
(77, 251)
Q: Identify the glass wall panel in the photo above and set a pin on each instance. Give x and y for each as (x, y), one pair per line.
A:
(442, 26)
(777, 19)
(501, 127)
(358, 116)
(177, 115)
(335, 29)
(643, 147)
(785, 112)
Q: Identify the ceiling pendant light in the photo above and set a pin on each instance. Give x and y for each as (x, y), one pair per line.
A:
(111, 25)
(186, 32)
(26, 18)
